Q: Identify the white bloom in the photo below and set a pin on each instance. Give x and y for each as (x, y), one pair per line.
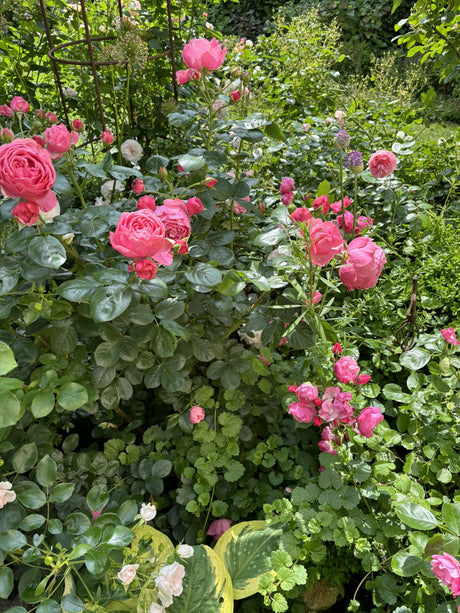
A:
(71, 93)
(185, 551)
(156, 608)
(6, 493)
(148, 511)
(249, 43)
(107, 189)
(209, 26)
(99, 201)
(169, 582)
(68, 238)
(221, 107)
(131, 150)
(48, 216)
(340, 118)
(127, 573)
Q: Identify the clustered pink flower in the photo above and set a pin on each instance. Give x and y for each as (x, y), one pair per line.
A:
(301, 214)
(26, 212)
(19, 105)
(176, 219)
(336, 207)
(364, 264)
(448, 335)
(368, 419)
(446, 568)
(197, 414)
(201, 54)
(58, 140)
(382, 164)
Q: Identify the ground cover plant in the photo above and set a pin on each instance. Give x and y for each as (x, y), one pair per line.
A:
(221, 387)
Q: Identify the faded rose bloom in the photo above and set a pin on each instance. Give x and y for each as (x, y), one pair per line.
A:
(127, 573)
(325, 241)
(58, 140)
(111, 186)
(197, 414)
(287, 185)
(365, 261)
(144, 269)
(448, 335)
(238, 208)
(382, 163)
(6, 111)
(301, 214)
(74, 137)
(169, 582)
(26, 212)
(19, 105)
(107, 137)
(306, 127)
(48, 216)
(218, 527)
(131, 150)
(335, 404)
(137, 186)
(194, 206)
(148, 511)
(221, 107)
(175, 218)
(337, 206)
(368, 419)
(306, 392)
(6, 493)
(146, 202)
(322, 202)
(346, 370)
(201, 54)
(185, 551)
(340, 118)
(446, 568)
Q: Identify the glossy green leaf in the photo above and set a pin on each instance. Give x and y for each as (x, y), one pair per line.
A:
(72, 396)
(416, 516)
(6, 582)
(46, 471)
(47, 251)
(7, 361)
(10, 409)
(25, 457)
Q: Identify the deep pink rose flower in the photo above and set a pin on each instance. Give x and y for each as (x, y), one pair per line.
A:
(449, 336)
(58, 140)
(194, 206)
(302, 411)
(19, 105)
(325, 241)
(368, 419)
(363, 379)
(146, 202)
(137, 186)
(301, 214)
(287, 185)
(197, 414)
(78, 125)
(26, 171)
(336, 207)
(364, 264)
(337, 349)
(185, 76)
(218, 527)
(107, 137)
(144, 269)
(175, 218)
(141, 235)
(6, 111)
(446, 568)
(287, 198)
(382, 163)
(181, 246)
(26, 213)
(235, 95)
(200, 54)
(322, 202)
(346, 370)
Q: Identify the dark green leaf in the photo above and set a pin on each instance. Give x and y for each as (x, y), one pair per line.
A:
(47, 251)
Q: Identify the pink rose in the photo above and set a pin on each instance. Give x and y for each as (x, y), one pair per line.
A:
(137, 186)
(19, 105)
(144, 269)
(301, 214)
(363, 379)
(185, 76)
(218, 527)
(337, 206)
(446, 568)
(306, 392)
(346, 370)
(210, 182)
(26, 213)
(322, 202)
(302, 411)
(287, 185)
(175, 218)
(146, 202)
(194, 206)
(316, 298)
(141, 235)
(107, 137)
(200, 54)
(51, 117)
(127, 573)
(6, 111)
(382, 164)
(364, 264)
(197, 414)
(169, 582)
(26, 171)
(449, 336)
(337, 349)
(362, 223)
(40, 114)
(78, 125)
(325, 241)
(335, 404)
(239, 209)
(58, 140)
(236, 95)
(181, 246)
(287, 198)
(7, 135)
(368, 419)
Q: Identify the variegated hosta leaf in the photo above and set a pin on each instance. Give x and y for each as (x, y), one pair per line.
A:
(160, 545)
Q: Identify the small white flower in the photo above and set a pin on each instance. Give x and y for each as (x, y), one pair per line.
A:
(209, 26)
(131, 150)
(148, 511)
(127, 573)
(185, 551)
(6, 493)
(68, 238)
(156, 608)
(107, 189)
(70, 93)
(249, 43)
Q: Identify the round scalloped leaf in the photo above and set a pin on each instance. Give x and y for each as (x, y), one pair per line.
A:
(160, 545)
(246, 549)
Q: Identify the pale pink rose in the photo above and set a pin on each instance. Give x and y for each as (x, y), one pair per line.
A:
(140, 235)
(7, 135)
(325, 241)
(127, 573)
(185, 76)
(322, 202)
(137, 186)
(365, 261)
(197, 414)
(301, 214)
(146, 202)
(107, 137)
(169, 582)
(144, 269)
(307, 392)
(368, 419)
(58, 140)
(382, 163)
(302, 411)
(200, 54)
(337, 206)
(6, 111)
(287, 185)
(156, 608)
(194, 206)
(340, 118)
(337, 349)
(26, 212)
(176, 220)
(6, 493)
(335, 404)
(448, 335)
(346, 370)
(19, 105)
(26, 171)
(221, 107)
(131, 150)
(306, 127)
(446, 568)
(316, 298)
(363, 379)
(148, 511)
(218, 527)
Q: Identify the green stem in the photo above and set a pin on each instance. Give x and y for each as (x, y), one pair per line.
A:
(355, 203)
(341, 191)
(77, 187)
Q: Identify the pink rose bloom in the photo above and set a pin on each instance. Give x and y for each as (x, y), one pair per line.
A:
(446, 568)
(141, 235)
(7, 135)
(146, 202)
(382, 164)
(194, 206)
(51, 117)
(137, 186)
(58, 140)
(368, 419)
(287, 198)
(197, 414)
(39, 140)
(287, 185)
(26, 171)
(210, 182)
(325, 241)
(40, 114)
(362, 223)
(336, 207)
(364, 264)
(363, 379)
(107, 137)
(346, 370)
(169, 582)
(185, 76)
(322, 202)
(6, 111)
(316, 298)
(175, 218)
(218, 527)
(144, 269)
(200, 54)
(236, 95)
(19, 105)
(26, 213)
(127, 573)
(302, 411)
(335, 404)
(449, 336)
(239, 209)
(78, 125)
(301, 214)
(307, 392)
(181, 246)
(337, 349)
(326, 447)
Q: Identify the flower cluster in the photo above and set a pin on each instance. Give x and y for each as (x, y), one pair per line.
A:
(286, 190)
